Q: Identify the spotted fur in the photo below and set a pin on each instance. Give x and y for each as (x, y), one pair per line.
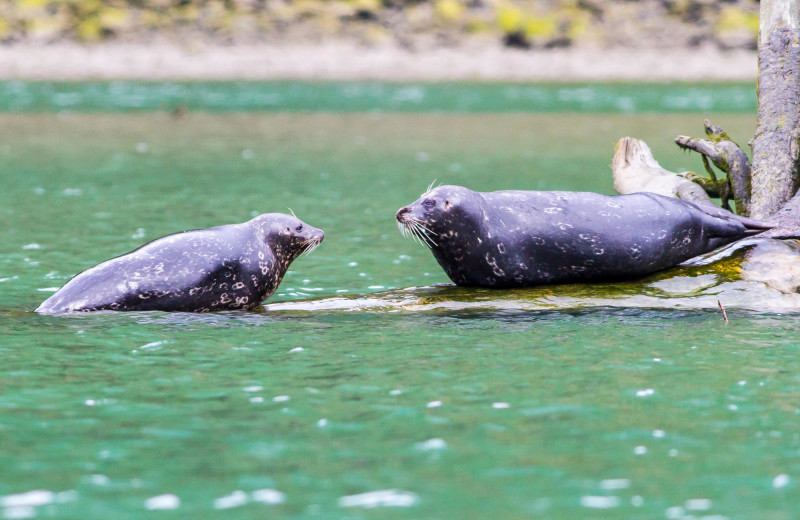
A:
(221, 268)
(522, 238)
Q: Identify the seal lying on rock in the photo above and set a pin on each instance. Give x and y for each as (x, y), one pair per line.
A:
(221, 268)
(520, 238)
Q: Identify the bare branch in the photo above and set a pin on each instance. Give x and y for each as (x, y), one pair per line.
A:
(701, 146)
(728, 157)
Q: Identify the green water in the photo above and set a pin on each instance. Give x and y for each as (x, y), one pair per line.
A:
(128, 96)
(462, 412)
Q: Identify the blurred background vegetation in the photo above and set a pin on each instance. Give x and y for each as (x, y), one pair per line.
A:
(409, 23)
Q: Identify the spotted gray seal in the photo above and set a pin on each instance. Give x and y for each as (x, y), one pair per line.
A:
(220, 268)
(521, 238)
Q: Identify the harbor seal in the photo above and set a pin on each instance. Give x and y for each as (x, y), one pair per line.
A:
(220, 268)
(506, 239)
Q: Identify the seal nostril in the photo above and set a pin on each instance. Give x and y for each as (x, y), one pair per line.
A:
(402, 212)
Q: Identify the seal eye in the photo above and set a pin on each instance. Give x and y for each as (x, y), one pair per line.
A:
(429, 203)
(299, 228)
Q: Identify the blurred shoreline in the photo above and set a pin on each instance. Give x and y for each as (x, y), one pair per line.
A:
(344, 60)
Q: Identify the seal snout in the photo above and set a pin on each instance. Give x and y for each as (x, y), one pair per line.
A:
(401, 214)
(410, 224)
(316, 237)
(309, 244)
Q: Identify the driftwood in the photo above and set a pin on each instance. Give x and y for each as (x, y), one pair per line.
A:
(635, 169)
(726, 155)
(766, 188)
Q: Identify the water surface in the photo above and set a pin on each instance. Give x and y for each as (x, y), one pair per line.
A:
(291, 96)
(446, 411)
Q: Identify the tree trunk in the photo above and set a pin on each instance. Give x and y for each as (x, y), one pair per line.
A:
(776, 145)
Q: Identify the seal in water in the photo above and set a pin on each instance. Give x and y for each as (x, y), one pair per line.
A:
(520, 238)
(221, 268)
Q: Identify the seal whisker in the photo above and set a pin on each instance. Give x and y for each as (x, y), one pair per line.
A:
(430, 241)
(426, 228)
(416, 237)
(402, 229)
(418, 231)
(310, 246)
(430, 186)
(306, 247)
(423, 228)
(406, 229)
(422, 233)
(414, 233)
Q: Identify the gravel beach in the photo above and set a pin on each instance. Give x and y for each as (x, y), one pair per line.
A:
(349, 61)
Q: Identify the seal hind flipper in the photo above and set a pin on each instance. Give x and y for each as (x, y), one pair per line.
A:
(754, 225)
(716, 211)
(725, 227)
(750, 226)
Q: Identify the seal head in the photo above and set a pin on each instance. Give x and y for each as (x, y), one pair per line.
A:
(450, 221)
(228, 267)
(523, 238)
